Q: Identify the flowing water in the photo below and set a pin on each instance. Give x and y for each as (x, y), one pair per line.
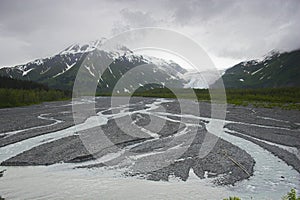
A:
(272, 177)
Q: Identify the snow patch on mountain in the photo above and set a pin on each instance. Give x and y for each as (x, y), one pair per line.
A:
(83, 48)
(256, 71)
(37, 62)
(90, 71)
(45, 71)
(126, 90)
(27, 71)
(68, 67)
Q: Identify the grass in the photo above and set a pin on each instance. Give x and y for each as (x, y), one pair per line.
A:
(285, 98)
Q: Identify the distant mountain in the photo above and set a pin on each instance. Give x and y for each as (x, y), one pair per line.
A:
(200, 80)
(59, 71)
(275, 71)
(48, 70)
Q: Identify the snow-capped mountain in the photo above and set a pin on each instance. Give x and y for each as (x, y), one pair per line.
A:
(200, 80)
(82, 48)
(59, 71)
(275, 70)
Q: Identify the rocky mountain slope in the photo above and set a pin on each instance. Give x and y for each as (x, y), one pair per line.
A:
(275, 71)
(59, 71)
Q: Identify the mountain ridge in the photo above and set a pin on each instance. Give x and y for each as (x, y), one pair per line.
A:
(59, 71)
(276, 70)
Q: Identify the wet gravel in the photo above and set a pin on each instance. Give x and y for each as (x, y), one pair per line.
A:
(272, 125)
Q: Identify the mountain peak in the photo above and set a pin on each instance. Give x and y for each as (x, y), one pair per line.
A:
(83, 48)
(272, 54)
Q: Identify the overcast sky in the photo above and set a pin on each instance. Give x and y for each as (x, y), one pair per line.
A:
(230, 31)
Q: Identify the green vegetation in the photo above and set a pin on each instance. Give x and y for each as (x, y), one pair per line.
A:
(285, 98)
(278, 71)
(292, 195)
(232, 198)
(6, 82)
(21, 93)
(19, 97)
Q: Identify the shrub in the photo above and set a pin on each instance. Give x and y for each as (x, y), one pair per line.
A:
(232, 198)
(292, 195)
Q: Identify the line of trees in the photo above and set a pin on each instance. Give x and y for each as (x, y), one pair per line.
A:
(6, 82)
(20, 97)
(20, 93)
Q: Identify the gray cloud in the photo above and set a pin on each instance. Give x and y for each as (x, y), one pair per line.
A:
(242, 29)
(193, 11)
(229, 29)
(133, 19)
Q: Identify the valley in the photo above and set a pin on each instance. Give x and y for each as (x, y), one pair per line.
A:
(146, 100)
(256, 151)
